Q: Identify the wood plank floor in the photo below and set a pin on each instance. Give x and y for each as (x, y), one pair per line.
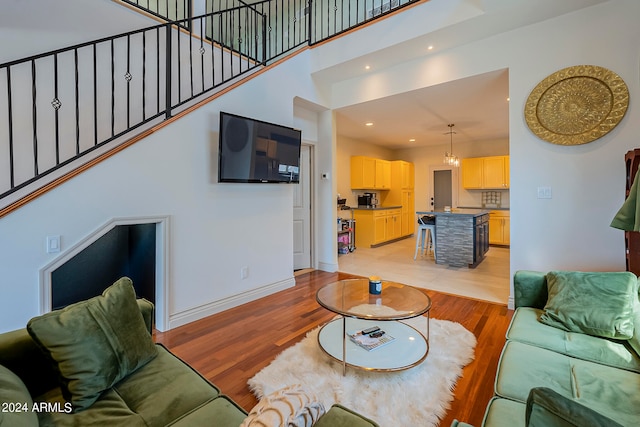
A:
(230, 347)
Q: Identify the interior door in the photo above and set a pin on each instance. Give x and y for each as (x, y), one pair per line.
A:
(302, 213)
(442, 194)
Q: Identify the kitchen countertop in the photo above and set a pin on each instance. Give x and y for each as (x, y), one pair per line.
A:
(377, 208)
(456, 211)
(486, 208)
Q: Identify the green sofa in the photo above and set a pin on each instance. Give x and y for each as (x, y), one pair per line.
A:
(147, 386)
(572, 354)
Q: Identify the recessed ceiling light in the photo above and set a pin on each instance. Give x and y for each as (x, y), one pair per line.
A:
(412, 140)
(367, 67)
(430, 47)
(368, 124)
(508, 99)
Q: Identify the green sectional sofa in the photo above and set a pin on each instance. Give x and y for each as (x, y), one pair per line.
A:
(572, 354)
(94, 363)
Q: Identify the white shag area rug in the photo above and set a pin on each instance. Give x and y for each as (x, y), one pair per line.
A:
(419, 396)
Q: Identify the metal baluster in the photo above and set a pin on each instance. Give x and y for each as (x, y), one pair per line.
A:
(95, 94)
(34, 117)
(10, 111)
(168, 72)
(56, 107)
(113, 88)
(144, 75)
(75, 59)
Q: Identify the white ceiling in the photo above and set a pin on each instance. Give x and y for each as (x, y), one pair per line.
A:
(478, 106)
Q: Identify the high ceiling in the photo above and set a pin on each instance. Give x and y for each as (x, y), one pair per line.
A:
(478, 106)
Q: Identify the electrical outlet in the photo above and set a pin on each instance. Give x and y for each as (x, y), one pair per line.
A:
(244, 272)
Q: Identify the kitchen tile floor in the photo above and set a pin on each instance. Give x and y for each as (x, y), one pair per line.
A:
(489, 281)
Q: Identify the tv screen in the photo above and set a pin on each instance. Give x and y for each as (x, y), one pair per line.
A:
(255, 151)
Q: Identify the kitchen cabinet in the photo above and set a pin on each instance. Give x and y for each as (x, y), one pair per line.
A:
(480, 173)
(402, 193)
(368, 173)
(378, 226)
(499, 227)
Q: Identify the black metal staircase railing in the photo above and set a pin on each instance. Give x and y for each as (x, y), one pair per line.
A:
(58, 107)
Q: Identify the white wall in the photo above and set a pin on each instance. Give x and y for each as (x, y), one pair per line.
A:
(570, 231)
(215, 229)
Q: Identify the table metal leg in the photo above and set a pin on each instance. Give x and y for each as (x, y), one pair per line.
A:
(344, 346)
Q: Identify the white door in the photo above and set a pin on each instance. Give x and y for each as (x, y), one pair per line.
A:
(302, 213)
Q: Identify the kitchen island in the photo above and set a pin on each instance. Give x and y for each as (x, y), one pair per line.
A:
(462, 236)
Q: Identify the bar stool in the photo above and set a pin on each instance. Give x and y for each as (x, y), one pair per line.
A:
(425, 238)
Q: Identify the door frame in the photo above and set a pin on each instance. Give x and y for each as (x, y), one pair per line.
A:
(310, 189)
(454, 183)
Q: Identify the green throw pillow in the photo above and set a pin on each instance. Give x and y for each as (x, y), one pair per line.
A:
(17, 406)
(95, 343)
(600, 304)
(547, 408)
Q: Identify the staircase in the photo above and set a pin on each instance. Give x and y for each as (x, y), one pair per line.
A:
(62, 110)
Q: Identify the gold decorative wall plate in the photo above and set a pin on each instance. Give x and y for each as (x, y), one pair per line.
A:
(576, 105)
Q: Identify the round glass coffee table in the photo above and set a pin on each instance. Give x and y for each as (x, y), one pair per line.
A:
(360, 310)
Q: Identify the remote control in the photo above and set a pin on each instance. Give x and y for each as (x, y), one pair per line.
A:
(370, 330)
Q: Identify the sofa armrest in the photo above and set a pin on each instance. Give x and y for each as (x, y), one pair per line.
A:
(545, 407)
(530, 289)
(20, 354)
(148, 313)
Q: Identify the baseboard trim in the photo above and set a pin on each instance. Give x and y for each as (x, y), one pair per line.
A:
(200, 312)
(329, 267)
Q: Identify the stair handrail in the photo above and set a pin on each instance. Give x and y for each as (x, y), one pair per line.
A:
(237, 41)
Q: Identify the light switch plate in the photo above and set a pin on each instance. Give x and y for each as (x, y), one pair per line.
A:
(544, 192)
(53, 244)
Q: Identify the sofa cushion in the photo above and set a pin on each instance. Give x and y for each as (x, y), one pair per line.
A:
(610, 391)
(525, 327)
(159, 393)
(546, 408)
(340, 416)
(599, 304)
(95, 343)
(290, 406)
(504, 413)
(218, 412)
(17, 406)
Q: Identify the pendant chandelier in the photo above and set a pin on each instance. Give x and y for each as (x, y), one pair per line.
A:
(449, 158)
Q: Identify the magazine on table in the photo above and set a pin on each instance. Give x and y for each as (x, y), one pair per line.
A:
(370, 341)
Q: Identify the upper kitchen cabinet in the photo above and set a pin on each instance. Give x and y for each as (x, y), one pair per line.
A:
(402, 174)
(481, 173)
(368, 173)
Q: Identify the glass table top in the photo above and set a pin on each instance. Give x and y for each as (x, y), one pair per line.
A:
(351, 298)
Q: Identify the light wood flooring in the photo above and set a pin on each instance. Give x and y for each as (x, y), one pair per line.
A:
(489, 281)
(230, 347)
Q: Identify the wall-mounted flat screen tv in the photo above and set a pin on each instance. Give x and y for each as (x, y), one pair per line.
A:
(257, 152)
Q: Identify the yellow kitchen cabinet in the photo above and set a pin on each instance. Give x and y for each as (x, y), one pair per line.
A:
(408, 212)
(383, 174)
(377, 226)
(480, 173)
(402, 174)
(472, 172)
(363, 172)
(368, 173)
(499, 228)
(402, 194)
